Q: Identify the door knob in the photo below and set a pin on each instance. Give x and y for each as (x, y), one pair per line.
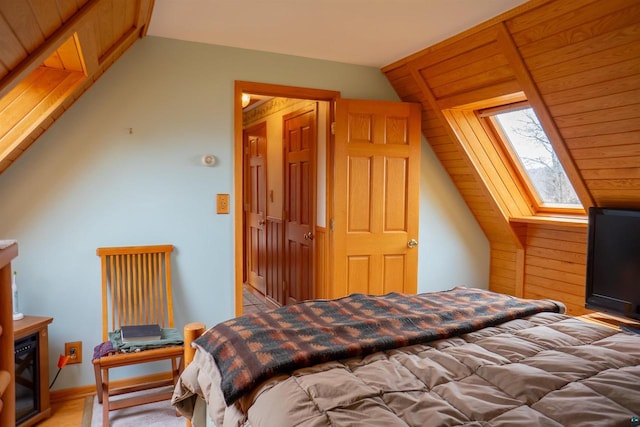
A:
(308, 236)
(412, 243)
(262, 222)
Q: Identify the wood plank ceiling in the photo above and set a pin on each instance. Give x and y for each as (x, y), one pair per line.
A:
(51, 52)
(578, 64)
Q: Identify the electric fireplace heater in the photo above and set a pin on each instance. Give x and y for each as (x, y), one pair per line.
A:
(27, 377)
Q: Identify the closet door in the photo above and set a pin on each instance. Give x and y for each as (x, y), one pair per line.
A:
(300, 138)
(255, 140)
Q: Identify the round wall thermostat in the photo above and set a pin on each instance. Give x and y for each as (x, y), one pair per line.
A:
(208, 160)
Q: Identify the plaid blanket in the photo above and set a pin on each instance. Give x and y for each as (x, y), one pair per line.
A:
(254, 347)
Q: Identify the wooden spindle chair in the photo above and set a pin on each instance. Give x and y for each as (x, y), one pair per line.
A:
(136, 290)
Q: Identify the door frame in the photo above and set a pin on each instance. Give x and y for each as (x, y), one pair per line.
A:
(281, 91)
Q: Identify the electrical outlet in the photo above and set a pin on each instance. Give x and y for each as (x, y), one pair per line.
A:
(222, 203)
(74, 351)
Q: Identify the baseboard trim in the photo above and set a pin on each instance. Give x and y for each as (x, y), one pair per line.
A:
(90, 390)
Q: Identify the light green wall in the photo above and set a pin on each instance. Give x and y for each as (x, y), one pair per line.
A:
(89, 182)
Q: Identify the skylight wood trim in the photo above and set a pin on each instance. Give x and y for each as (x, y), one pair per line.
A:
(38, 99)
(480, 96)
(569, 221)
(492, 162)
(86, 45)
(42, 52)
(66, 57)
(527, 189)
(511, 106)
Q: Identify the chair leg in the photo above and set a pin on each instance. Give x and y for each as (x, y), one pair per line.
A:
(102, 385)
(105, 398)
(98, 374)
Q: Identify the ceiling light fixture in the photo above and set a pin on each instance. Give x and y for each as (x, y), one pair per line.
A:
(246, 99)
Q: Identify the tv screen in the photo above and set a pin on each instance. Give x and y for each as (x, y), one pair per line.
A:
(613, 261)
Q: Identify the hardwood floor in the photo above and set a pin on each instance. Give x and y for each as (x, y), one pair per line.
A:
(67, 413)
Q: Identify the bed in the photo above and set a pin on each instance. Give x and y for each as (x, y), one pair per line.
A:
(462, 357)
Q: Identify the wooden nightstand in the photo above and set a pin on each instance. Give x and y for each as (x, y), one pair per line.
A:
(35, 329)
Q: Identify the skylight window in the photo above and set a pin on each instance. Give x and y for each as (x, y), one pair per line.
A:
(24, 108)
(534, 156)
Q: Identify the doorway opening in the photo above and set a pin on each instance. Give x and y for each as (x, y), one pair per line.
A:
(281, 158)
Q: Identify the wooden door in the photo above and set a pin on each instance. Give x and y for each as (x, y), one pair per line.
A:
(376, 188)
(255, 142)
(299, 135)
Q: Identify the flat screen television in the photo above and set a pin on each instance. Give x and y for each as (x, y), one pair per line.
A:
(613, 261)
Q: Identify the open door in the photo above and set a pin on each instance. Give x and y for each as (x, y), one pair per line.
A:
(376, 197)
(372, 196)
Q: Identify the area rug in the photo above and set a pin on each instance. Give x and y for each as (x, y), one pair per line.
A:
(159, 414)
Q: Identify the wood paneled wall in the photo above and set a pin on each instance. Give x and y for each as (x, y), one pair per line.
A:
(585, 58)
(554, 264)
(578, 63)
(275, 261)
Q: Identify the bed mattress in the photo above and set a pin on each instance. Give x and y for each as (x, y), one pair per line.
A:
(545, 369)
